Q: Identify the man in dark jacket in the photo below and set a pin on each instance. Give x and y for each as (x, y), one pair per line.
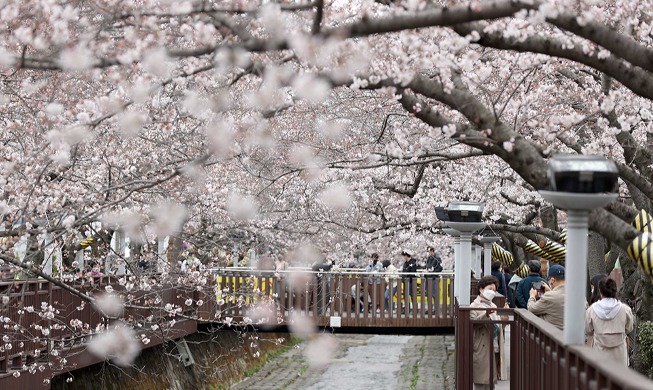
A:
(410, 265)
(496, 272)
(533, 280)
(433, 262)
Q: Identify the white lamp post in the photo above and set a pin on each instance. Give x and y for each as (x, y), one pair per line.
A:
(579, 183)
(488, 239)
(476, 258)
(466, 218)
(456, 259)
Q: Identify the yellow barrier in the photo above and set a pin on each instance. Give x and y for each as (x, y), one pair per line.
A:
(267, 288)
(442, 293)
(249, 294)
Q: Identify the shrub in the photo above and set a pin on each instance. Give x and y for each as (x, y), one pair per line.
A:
(645, 335)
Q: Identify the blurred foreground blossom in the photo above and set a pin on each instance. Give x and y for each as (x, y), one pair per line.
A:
(321, 349)
(118, 344)
(110, 305)
(262, 314)
(242, 207)
(169, 218)
(301, 326)
(337, 197)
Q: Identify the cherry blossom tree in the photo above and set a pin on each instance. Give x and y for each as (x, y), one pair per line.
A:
(336, 123)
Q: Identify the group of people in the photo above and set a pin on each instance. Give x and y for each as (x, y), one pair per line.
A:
(607, 320)
(391, 275)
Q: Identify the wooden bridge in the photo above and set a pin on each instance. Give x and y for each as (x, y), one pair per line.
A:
(343, 299)
(45, 327)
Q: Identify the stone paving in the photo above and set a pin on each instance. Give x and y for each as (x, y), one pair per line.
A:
(364, 362)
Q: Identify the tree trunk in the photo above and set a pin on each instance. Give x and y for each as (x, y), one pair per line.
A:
(596, 263)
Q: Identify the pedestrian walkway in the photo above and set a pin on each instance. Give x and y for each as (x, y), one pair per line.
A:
(505, 385)
(364, 362)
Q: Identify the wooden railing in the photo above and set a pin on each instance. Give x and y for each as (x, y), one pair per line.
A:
(539, 360)
(341, 299)
(36, 343)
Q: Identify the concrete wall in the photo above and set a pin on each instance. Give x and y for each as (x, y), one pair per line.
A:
(221, 358)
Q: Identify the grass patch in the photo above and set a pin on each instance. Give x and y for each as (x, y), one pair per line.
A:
(415, 377)
(268, 357)
(301, 371)
(271, 356)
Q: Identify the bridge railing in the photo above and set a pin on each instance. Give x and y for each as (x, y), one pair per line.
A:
(539, 359)
(41, 322)
(341, 298)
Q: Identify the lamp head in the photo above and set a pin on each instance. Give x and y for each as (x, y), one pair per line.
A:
(578, 173)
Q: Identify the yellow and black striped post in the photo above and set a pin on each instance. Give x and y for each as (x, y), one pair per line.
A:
(641, 250)
(643, 222)
(555, 250)
(85, 243)
(535, 249)
(522, 271)
(502, 255)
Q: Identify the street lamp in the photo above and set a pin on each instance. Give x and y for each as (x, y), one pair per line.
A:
(466, 218)
(456, 259)
(579, 183)
(488, 238)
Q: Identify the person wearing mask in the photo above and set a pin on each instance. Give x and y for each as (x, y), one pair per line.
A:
(487, 337)
(532, 280)
(608, 322)
(551, 306)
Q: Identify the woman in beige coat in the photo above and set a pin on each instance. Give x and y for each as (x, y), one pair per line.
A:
(487, 337)
(607, 323)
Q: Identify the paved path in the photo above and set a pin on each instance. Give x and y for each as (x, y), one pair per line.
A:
(364, 362)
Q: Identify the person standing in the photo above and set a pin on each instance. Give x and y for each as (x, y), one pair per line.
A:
(375, 288)
(487, 337)
(433, 264)
(391, 279)
(532, 280)
(409, 267)
(608, 322)
(496, 272)
(594, 287)
(551, 306)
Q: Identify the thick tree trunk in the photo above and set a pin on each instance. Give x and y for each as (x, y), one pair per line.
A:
(596, 263)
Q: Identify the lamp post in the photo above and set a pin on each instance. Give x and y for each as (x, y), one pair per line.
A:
(488, 239)
(476, 258)
(579, 184)
(466, 218)
(456, 259)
